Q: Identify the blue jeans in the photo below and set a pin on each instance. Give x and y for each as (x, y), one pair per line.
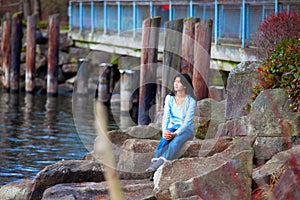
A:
(169, 148)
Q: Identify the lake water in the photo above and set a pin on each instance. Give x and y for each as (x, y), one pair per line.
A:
(37, 131)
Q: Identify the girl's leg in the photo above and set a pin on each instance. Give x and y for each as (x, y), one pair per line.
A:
(163, 143)
(176, 144)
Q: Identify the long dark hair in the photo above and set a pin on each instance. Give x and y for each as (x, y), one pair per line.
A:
(187, 82)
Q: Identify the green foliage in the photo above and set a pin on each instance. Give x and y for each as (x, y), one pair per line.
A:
(43, 24)
(282, 70)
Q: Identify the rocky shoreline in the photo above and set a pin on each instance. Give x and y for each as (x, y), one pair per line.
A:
(236, 154)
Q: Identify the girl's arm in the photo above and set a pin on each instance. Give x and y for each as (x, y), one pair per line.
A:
(166, 116)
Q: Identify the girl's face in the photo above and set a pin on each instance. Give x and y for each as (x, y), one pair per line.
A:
(178, 86)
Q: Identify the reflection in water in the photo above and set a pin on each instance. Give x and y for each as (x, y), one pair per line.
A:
(51, 109)
(35, 131)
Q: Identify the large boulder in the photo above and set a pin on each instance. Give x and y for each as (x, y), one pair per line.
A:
(65, 41)
(288, 186)
(266, 147)
(16, 190)
(136, 157)
(230, 180)
(69, 171)
(136, 154)
(239, 85)
(272, 102)
(144, 132)
(268, 117)
(239, 154)
(132, 190)
(261, 175)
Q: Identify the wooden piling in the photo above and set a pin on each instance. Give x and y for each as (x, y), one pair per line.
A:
(188, 39)
(104, 82)
(6, 53)
(30, 54)
(203, 37)
(172, 52)
(16, 48)
(129, 84)
(82, 76)
(53, 48)
(147, 93)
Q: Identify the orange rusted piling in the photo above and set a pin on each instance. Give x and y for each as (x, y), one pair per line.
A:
(6, 53)
(30, 54)
(16, 48)
(188, 37)
(203, 35)
(53, 48)
(147, 91)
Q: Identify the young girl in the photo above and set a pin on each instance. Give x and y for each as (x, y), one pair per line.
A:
(177, 125)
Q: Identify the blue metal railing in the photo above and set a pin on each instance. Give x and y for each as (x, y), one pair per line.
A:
(231, 19)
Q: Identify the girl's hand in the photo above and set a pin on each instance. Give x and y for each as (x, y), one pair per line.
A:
(168, 135)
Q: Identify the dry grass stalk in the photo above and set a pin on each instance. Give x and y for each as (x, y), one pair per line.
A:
(104, 153)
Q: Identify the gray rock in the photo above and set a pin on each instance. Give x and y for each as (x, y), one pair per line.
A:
(135, 158)
(70, 171)
(239, 85)
(65, 87)
(144, 132)
(266, 147)
(16, 190)
(261, 175)
(69, 68)
(132, 190)
(65, 41)
(288, 186)
(63, 58)
(41, 49)
(230, 180)
(217, 93)
(263, 125)
(187, 168)
(272, 102)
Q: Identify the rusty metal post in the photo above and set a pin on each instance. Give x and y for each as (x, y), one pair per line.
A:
(188, 40)
(16, 48)
(30, 54)
(6, 52)
(53, 48)
(203, 37)
(147, 93)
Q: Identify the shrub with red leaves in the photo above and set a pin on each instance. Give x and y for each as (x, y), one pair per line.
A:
(274, 29)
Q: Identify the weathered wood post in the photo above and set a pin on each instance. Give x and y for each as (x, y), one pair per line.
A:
(104, 81)
(172, 54)
(30, 54)
(147, 89)
(53, 47)
(188, 40)
(6, 52)
(203, 36)
(16, 48)
(82, 76)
